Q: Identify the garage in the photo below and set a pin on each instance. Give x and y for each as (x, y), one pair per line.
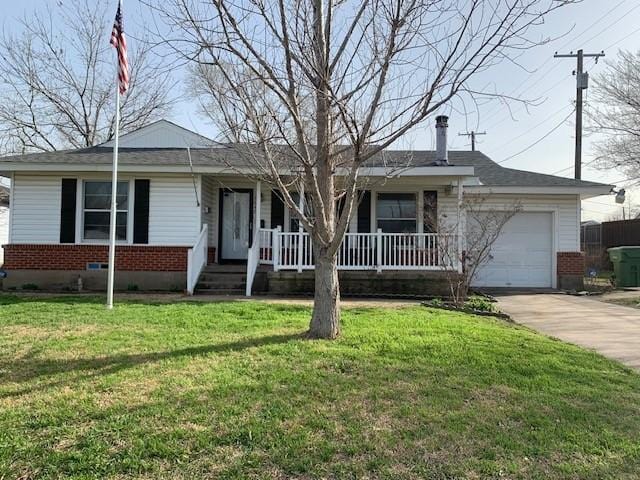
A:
(522, 255)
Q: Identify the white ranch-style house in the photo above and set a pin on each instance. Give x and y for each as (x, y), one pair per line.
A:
(190, 218)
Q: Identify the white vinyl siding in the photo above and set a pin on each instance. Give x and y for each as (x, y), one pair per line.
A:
(564, 207)
(36, 209)
(210, 203)
(174, 214)
(164, 134)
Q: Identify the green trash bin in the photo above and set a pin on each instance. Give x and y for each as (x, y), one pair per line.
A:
(626, 265)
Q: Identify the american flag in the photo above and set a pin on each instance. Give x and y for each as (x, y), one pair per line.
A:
(119, 41)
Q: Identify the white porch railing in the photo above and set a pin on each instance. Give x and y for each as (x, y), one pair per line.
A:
(197, 260)
(362, 251)
(253, 260)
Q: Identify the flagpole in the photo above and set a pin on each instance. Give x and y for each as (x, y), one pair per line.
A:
(114, 191)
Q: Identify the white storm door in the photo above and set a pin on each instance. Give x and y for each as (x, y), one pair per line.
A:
(236, 213)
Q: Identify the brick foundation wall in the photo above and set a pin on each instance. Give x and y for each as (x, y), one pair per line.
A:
(570, 263)
(211, 255)
(132, 258)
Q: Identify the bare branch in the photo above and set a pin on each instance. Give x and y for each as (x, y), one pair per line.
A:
(57, 80)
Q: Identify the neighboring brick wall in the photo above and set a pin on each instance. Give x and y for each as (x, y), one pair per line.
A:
(571, 263)
(132, 258)
(211, 255)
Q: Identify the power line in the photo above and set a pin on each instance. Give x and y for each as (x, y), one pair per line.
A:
(510, 115)
(622, 39)
(624, 15)
(635, 181)
(598, 203)
(522, 88)
(530, 129)
(540, 139)
(569, 168)
(493, 112)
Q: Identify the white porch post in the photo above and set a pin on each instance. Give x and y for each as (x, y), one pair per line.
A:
(253, 257)
(256, 220)
(461, 229)
(300, 232)
(379, 250)
(275, 248)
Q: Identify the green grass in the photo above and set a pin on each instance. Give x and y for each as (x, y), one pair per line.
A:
(231, 390)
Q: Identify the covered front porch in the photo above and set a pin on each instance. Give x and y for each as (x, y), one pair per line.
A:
(408, 224)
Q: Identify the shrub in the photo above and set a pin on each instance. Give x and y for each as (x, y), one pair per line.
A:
(482, 304)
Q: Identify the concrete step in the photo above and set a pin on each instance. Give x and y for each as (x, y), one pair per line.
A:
(223, 277)
(225, 269)
(221, 284)
(220, 291)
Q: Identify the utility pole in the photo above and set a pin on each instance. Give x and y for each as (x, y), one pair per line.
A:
(582, 82)
(472, 134)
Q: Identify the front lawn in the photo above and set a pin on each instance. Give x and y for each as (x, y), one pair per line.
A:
(230, 390)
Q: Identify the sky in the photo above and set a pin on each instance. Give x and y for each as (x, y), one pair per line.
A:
(539, 138)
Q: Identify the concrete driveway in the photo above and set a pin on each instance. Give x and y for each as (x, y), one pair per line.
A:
(612, 330)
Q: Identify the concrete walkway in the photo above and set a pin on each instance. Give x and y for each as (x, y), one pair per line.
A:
(612, 330)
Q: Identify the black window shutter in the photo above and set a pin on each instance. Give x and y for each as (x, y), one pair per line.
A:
(430, 211)
(364, 212)
(277, 209)
(68, 211)
(340, 209)
(141, 212)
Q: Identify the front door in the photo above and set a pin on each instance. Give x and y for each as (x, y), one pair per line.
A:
(235, 234)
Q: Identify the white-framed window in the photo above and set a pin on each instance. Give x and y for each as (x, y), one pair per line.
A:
(397, 212)
(96, 210)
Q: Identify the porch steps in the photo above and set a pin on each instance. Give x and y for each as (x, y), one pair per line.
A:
(222, 280)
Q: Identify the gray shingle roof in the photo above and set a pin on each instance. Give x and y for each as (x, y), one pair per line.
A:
(489, 172)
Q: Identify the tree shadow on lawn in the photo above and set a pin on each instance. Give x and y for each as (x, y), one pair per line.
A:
(153, 300)
(28, 368)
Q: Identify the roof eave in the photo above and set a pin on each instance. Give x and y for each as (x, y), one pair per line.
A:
(585, 191)
(431, 171)
(7, 167)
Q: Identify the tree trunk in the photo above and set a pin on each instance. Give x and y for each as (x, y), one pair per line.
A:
(325, 321)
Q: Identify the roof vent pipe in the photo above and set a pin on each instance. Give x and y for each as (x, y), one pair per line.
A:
(442, 156)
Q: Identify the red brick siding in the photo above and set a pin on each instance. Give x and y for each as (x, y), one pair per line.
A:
(570, 263)
(130, 258)
(211, 255)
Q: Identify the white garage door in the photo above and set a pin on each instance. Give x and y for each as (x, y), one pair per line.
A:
(521, 256)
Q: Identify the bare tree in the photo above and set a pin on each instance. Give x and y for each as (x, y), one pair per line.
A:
(312, 90)
(57, 80)
(483, 223)
(616, 114)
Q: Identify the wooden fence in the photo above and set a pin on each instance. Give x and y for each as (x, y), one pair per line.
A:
(596, 239)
